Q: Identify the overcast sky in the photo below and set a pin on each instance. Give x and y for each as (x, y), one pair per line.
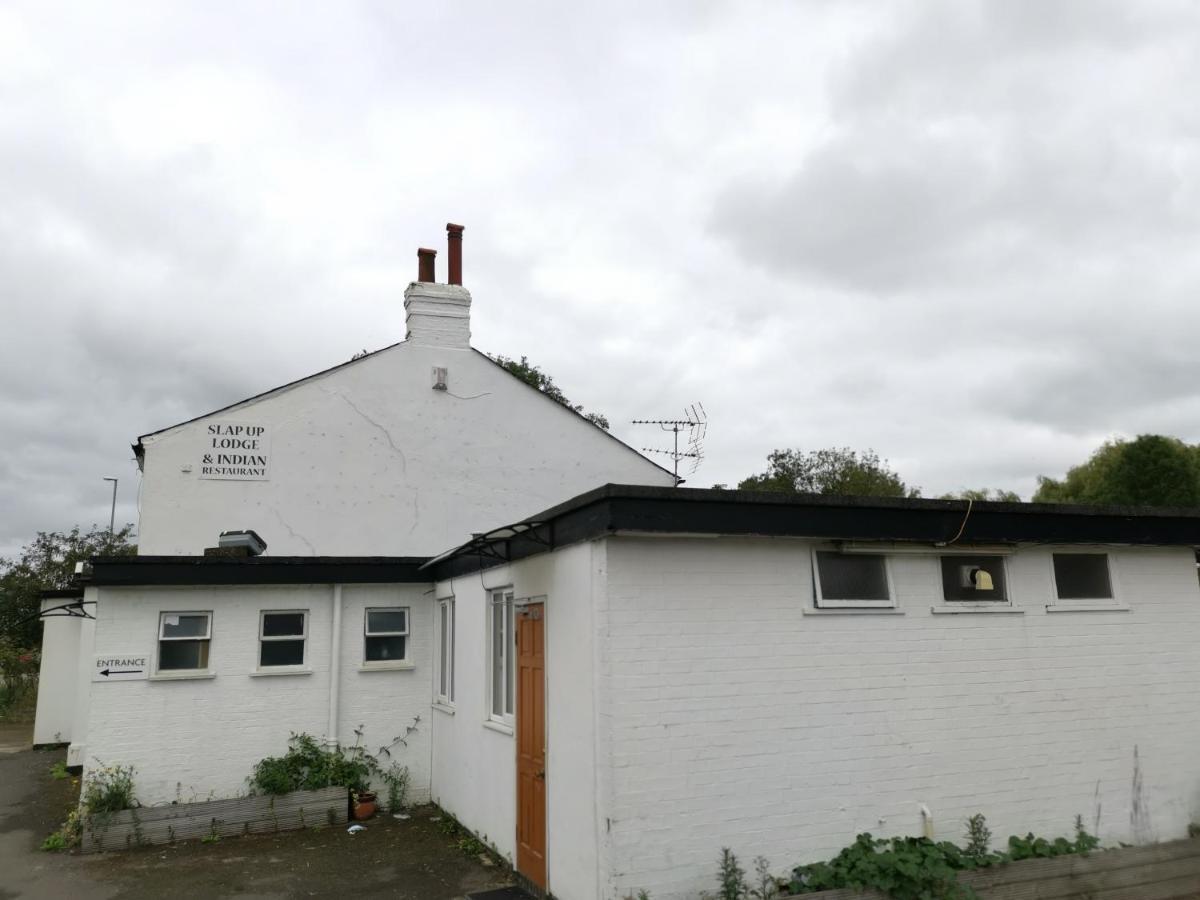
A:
(961, 233)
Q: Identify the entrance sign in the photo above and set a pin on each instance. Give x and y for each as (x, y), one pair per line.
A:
(235, 451)
(121, 667)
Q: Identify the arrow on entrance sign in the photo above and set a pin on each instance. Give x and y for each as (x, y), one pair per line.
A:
(120, 672)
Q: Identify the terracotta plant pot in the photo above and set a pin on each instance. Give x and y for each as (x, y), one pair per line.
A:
(364, 805)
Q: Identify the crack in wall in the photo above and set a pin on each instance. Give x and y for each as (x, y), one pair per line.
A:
(387, 434)
(295, 534)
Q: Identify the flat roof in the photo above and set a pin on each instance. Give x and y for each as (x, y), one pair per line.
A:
(218, 570)
(623, 508)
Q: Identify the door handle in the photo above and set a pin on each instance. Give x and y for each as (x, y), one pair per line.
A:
(541, 775)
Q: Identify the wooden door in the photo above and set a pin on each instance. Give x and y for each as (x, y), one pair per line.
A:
(531, 743)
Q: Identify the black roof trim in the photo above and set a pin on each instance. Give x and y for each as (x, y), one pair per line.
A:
(139, 450)
(616, 508)
(214, 570)
(578, 414)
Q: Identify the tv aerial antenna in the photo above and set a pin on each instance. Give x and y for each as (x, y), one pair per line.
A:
(694, 425)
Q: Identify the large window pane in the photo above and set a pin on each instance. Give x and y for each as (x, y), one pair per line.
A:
(498, 659)
(281, 653)
(443, 646)
(385, 649)
(175, 655)
(1082, 576)
(289, 623)
(509, 655)
(852, 577)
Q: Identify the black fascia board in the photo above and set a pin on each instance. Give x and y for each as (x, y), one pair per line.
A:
(69, 593)
(222, 570)
(613, 509)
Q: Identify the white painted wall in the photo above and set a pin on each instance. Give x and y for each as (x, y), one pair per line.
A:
(200, 738)
(58, 677)
(474, 765)
(370, 460)
(732, 719)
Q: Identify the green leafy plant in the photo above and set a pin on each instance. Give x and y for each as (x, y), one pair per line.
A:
(908, 868)
(309, 765)
(18, 680)
(979, 838)
(56, 841)
(731, 877)
(108, 789)
(58, 771)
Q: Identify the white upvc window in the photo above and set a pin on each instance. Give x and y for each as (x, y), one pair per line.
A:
(282, 638)
(501, 651)
(445, 651)
(385, 635)
(1084, 578)
(975, 580)
(184, 639)
(852, 580)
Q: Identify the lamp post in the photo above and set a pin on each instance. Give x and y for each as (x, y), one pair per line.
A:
(112, 516)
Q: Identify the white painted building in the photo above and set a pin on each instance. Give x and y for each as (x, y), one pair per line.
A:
(614, 688)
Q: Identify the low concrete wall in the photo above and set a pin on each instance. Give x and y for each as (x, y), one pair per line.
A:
(226, 818)
(1168, 871)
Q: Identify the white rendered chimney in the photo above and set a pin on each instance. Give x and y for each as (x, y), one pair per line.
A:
(439, 315)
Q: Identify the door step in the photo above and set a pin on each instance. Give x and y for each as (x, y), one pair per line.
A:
(504, 893)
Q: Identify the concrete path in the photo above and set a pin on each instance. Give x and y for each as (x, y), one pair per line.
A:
(410, 860)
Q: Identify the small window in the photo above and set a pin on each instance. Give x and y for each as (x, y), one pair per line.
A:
(1082, 576)
(183, 641)
(445, 652)
(852, 579)
(974, 578)
(282, 636)
(501, 652)
(385, 633)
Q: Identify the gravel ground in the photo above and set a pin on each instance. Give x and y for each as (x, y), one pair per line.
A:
(412, 859)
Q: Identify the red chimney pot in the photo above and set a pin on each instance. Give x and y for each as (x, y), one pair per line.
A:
(454, 247)
(425, 259)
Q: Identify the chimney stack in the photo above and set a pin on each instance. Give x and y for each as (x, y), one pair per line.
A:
(439, 315)
(425, 260)
(454, 252)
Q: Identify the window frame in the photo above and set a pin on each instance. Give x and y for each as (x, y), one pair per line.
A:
(444, 653)
(1000, 603)
(820, 601)
(303, 636)
(162, 614)
(501, 598)
(402, 663)
(1114, 583)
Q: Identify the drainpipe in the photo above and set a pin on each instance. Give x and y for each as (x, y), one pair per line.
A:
(335, 664)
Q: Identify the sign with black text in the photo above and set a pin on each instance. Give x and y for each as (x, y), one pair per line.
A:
(235, 451)
(121, 667)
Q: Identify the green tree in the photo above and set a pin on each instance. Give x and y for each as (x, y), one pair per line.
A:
(1151, 470)
(997, 494)
(535, 377)
(835, 470)
(48, 563)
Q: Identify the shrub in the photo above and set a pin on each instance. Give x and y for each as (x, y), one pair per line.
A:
(18, 680)
(108, 789)
(309, 765)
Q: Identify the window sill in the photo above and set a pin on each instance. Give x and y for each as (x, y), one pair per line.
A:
(282, 670)
(181, 676)
(498, 727)
(853, 611)
(998, 610)
(443, 708)
(385, 666)
(1088, 607)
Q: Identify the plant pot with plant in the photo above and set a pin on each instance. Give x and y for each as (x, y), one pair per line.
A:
(363, 804)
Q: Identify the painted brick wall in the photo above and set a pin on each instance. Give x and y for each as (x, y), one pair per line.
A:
(730, 718)
(196, 739)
